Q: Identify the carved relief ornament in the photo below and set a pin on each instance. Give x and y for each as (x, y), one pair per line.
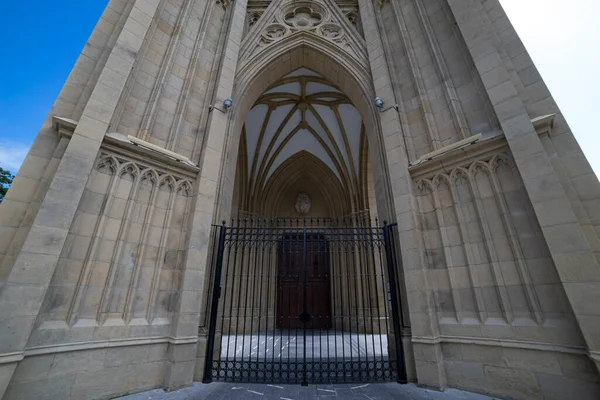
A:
(306, 16)
(303, 203)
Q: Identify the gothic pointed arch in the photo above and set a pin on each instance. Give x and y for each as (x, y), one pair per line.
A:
(343, 71)
(303, 166)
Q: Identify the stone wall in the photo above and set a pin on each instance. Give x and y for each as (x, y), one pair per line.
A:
(487, 270)
(167, 97)
(104, 245)
(520, 373)
(505, 324)
(99, 292)
(97, 373)
(121, 264)
(437, 88)
(487, 260)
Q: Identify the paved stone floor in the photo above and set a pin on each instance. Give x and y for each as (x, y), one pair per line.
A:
(290, 344)
(379, 391)
(281, 354)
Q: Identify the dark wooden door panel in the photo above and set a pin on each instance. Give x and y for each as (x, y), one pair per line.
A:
(291, 255)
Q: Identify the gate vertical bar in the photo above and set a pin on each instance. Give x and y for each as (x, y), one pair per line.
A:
(377, 261)
(262, 243)
(254, 246)
(304, 317)
(332, 266)
(242, 225)
(212, 327)
(395, 304)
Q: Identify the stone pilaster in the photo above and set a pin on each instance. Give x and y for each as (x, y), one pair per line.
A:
(429, 367)
(185, 324)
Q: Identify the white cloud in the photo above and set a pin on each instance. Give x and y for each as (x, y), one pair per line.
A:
(12, 154)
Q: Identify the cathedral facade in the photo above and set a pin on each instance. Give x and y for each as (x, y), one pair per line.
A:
(303, 125)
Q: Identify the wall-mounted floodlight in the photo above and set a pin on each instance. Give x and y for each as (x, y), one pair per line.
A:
(379, 104)
(226, 105)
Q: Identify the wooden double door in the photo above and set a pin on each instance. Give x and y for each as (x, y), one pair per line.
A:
(303, 282)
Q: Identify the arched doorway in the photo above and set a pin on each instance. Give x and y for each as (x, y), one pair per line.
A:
(342, 71)
(289, 139)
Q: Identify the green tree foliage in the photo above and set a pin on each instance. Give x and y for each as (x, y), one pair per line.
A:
(6, 179)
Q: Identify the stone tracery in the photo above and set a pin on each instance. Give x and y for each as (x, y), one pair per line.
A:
(303, 18)
(487, 191)
(311, 17)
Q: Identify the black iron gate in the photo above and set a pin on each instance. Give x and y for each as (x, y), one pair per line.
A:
(304, 300)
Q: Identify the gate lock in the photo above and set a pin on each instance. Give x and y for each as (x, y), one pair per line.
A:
(305, 317)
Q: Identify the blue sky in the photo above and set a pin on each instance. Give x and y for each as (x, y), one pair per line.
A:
(42, 39)
(40, 44)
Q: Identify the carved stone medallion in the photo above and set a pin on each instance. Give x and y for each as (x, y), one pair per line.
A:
(303, 203)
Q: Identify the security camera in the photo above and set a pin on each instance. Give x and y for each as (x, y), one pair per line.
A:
(228, 103)
(378, 102)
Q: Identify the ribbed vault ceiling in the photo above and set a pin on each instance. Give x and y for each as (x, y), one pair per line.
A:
(303, 112)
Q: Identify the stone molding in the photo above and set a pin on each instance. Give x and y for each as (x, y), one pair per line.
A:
(505, 343)
(9, 358)
(448, 149)
(64, 126)
(443, 160)
(97, 344)
(459, 156)
(428, 340)
(119, 144)
(543, 125)
(147, 156)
